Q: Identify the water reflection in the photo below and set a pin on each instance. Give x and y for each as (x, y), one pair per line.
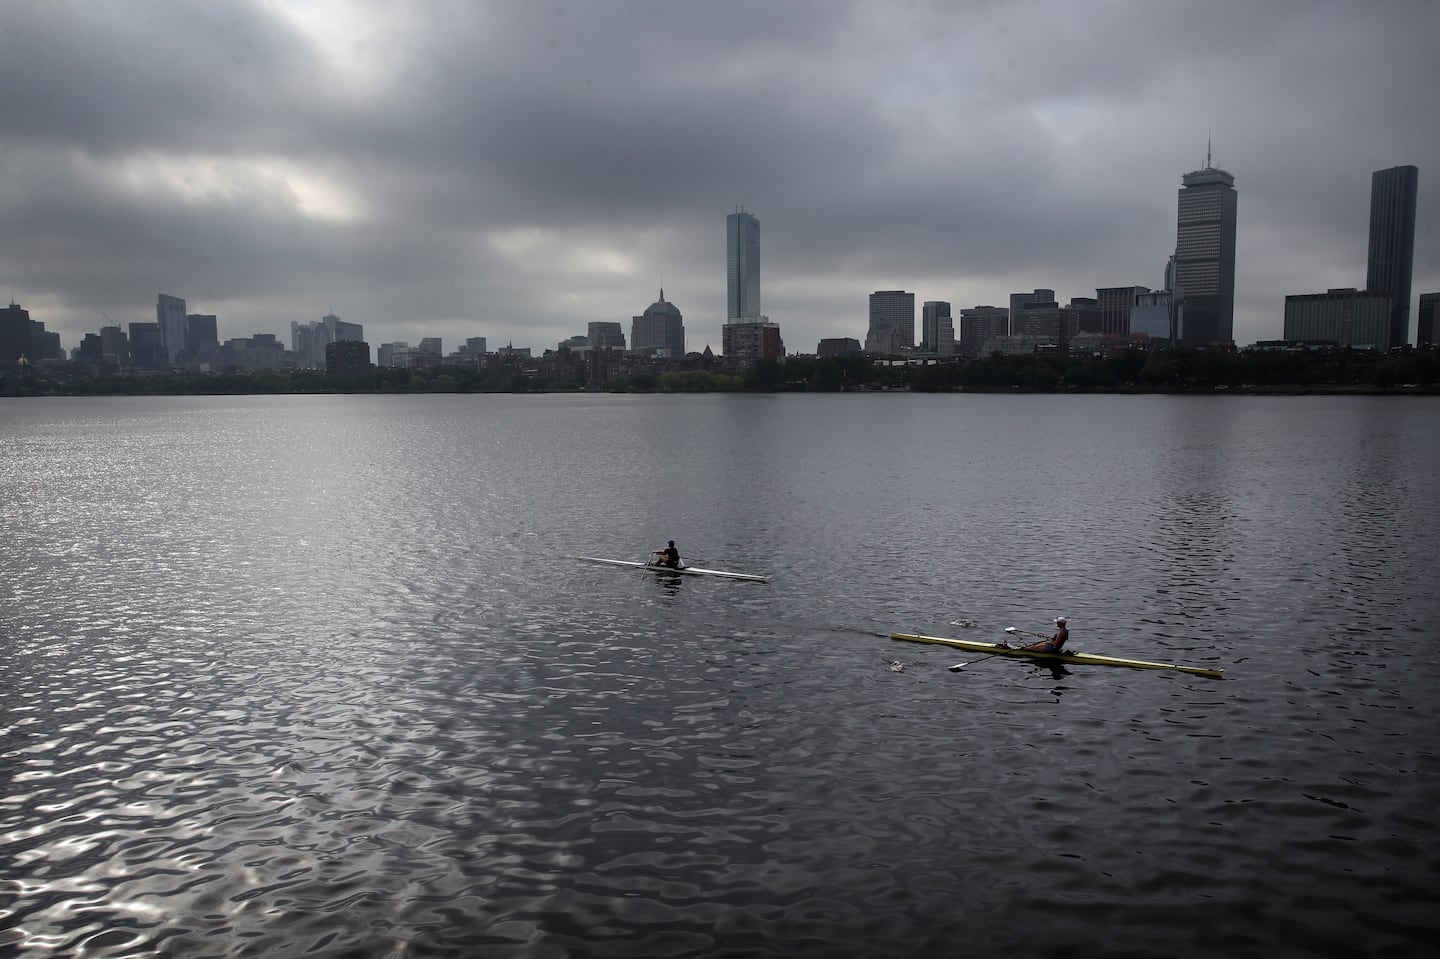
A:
(348, 700)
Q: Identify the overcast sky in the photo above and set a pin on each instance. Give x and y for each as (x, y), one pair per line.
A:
(516, 170)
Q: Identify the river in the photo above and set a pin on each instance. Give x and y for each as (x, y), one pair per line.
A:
(320, 676)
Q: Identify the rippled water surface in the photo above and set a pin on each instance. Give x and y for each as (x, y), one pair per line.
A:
(319, 676)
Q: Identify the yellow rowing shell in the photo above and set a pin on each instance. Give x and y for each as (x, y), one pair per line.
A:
(1079, 659)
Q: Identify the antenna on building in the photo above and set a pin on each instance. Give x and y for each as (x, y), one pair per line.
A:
(1208, 138)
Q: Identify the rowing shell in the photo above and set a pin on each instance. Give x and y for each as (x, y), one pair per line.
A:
(1080, 659)
(682, 570)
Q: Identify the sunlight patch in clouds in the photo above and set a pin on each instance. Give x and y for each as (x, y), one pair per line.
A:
(531, 245)
(1068, 121)
(346, 35)
(227, 181)
(319, 198)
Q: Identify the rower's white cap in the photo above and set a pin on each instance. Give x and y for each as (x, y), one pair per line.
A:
(1059, 620)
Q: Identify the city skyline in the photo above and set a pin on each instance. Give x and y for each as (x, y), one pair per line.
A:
(369, 162)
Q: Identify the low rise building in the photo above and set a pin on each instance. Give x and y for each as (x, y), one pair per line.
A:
(1345, 316)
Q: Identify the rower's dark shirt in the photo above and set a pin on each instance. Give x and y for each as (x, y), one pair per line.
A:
(672, 556)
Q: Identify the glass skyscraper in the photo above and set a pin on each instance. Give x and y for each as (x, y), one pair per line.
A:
(170, 315)
(1392, 243)
(742, 268)
(1205, 255)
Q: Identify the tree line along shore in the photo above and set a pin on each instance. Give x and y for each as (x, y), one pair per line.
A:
(1407, 371)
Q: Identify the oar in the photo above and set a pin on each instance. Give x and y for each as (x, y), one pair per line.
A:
(1009, 629)
(1013, 631)
(959, 666)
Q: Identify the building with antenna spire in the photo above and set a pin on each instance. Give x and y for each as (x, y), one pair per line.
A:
(1205, 255)
(660, 330)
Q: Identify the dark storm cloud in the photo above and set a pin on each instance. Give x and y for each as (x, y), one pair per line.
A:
(516, 170)
(114, 77)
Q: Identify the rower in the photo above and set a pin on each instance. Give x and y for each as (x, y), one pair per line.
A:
(1055, 643)
(669, 556)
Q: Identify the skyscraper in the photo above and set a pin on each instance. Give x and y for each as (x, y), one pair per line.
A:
(660, 327)
(892, 322)
(1115, 305)
(981, 323)
(742, 268)
(1425, 332)
(937, 328)
(202, 335)
(15, 335)
(1205, 255)
(748, 335)
(340, 331)
(604, 335)
(146, 350)
(170, 314)
(1034, 314)
(1392, 243)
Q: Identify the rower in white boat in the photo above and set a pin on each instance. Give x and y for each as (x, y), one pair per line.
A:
(668, 556)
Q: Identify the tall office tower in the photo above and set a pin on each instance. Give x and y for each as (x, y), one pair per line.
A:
(981, 323)
(1020, 302)
(170, 314)
(114, 342)
(1082, 315)
(46, 344)
(1392, 243)
(1034, 314)
(431, 344)
(937, 328)
(1115, 304)
(476, 345)
(742, 268)
(892, 322)
(340, 331)
(385, 353)
(660, 327)
(202, 335)
(603, 334)
(1425, 331)
(1205, 255)
(15, 338)
(1151, 316)
(307, 343)
(1176, 304)
(146, 350)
